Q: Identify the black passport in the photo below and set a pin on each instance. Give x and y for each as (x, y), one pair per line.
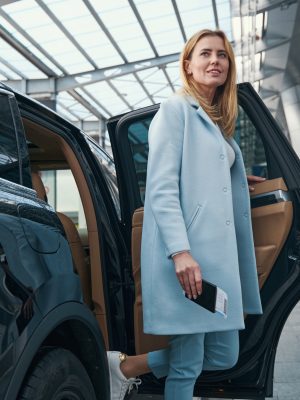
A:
(212, 298)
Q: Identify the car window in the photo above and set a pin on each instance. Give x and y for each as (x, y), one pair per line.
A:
(138, 139)
(107, 166)
(14, 161)
(9, 157)
(251, 145)
(63, 195)
(246, 136)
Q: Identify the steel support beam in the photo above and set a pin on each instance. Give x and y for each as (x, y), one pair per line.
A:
(177, 13)
(112, 86)
(266, 5)
(12, 68)
(87, 93)
(267, 72)
(149, 39)
(264, 44)
(117, 48)
(266, 93)
(149, 95)
(5, 2)
(58, 23)
(12, 41)
(87, 78)
(86, 104)
(32, 41)
(214, 6)
(62, 105)
(269, 44)
(42, 86)
(104, 29)
(168, 78)
(70, 82)
(102, 130)
(5, 74)
(143, 26)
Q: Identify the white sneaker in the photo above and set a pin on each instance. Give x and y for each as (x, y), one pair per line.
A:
(119, 384)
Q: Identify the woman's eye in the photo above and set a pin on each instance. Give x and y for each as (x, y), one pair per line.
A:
(204, 53)
(223, 55)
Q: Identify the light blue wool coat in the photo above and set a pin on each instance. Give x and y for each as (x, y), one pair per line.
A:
(194, 202)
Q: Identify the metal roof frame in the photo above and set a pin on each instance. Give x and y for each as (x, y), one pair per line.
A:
(59, 80)
(68, 82)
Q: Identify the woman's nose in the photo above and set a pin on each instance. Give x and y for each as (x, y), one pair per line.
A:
(214, 59)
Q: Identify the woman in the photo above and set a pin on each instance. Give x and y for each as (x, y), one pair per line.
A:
(196, 224)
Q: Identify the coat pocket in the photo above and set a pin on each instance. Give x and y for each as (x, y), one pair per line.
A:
(194, 216)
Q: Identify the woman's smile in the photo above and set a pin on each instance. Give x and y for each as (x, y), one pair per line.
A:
(214, 72)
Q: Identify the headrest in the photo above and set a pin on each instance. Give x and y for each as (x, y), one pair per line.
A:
(38, 186)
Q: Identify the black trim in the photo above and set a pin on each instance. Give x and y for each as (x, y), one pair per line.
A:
(266, 199)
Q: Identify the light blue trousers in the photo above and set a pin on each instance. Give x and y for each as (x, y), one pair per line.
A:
(187, 355)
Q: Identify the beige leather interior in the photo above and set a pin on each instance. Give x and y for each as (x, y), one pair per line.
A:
(271, 225)
(50, 151)
(143, 342)
(78, 255)
(269, 185)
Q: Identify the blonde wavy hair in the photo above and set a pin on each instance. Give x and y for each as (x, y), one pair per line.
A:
(224, 108)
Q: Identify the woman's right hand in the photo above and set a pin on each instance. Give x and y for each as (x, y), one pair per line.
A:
(188, 273)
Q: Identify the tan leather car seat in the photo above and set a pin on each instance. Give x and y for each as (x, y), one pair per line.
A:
(143, 342)
(79, 261)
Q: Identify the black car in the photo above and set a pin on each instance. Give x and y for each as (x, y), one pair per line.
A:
(67, 295)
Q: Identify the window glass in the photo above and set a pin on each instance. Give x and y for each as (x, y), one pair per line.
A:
(62, 194)
(246, 136)
(9, 158)
(107, 166)
(138, 139)
(23, 150)
(251, 145)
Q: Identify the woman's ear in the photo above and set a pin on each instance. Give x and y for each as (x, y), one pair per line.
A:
(186, 64)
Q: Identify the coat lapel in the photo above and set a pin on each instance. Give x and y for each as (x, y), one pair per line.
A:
(204, 116)
(200, 111)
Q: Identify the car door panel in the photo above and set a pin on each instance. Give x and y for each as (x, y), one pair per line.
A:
(271, 223)
(275, 206)
(143, 342)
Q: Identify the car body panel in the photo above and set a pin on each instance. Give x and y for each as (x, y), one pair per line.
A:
(41, 298)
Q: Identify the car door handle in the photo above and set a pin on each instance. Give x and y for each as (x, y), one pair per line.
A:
(268, 198)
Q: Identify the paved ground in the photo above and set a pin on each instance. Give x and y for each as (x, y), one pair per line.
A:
(287, 365)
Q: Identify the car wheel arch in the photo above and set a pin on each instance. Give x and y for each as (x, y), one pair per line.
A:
(53, 330)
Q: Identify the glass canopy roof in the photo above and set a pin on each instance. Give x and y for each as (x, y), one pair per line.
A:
(83, 39)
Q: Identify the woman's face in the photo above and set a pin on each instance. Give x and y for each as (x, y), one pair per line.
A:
(209, 64)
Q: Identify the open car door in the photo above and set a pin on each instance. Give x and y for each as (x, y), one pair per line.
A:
(276, 228)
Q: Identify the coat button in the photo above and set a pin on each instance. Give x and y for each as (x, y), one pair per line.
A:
(225, 189)
(246, 214)
(222, 156)
(228, 222)
(243, 185)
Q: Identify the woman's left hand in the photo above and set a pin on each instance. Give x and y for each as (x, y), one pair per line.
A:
(254, 179)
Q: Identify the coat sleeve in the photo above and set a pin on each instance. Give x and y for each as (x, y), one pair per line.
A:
(163, 175)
